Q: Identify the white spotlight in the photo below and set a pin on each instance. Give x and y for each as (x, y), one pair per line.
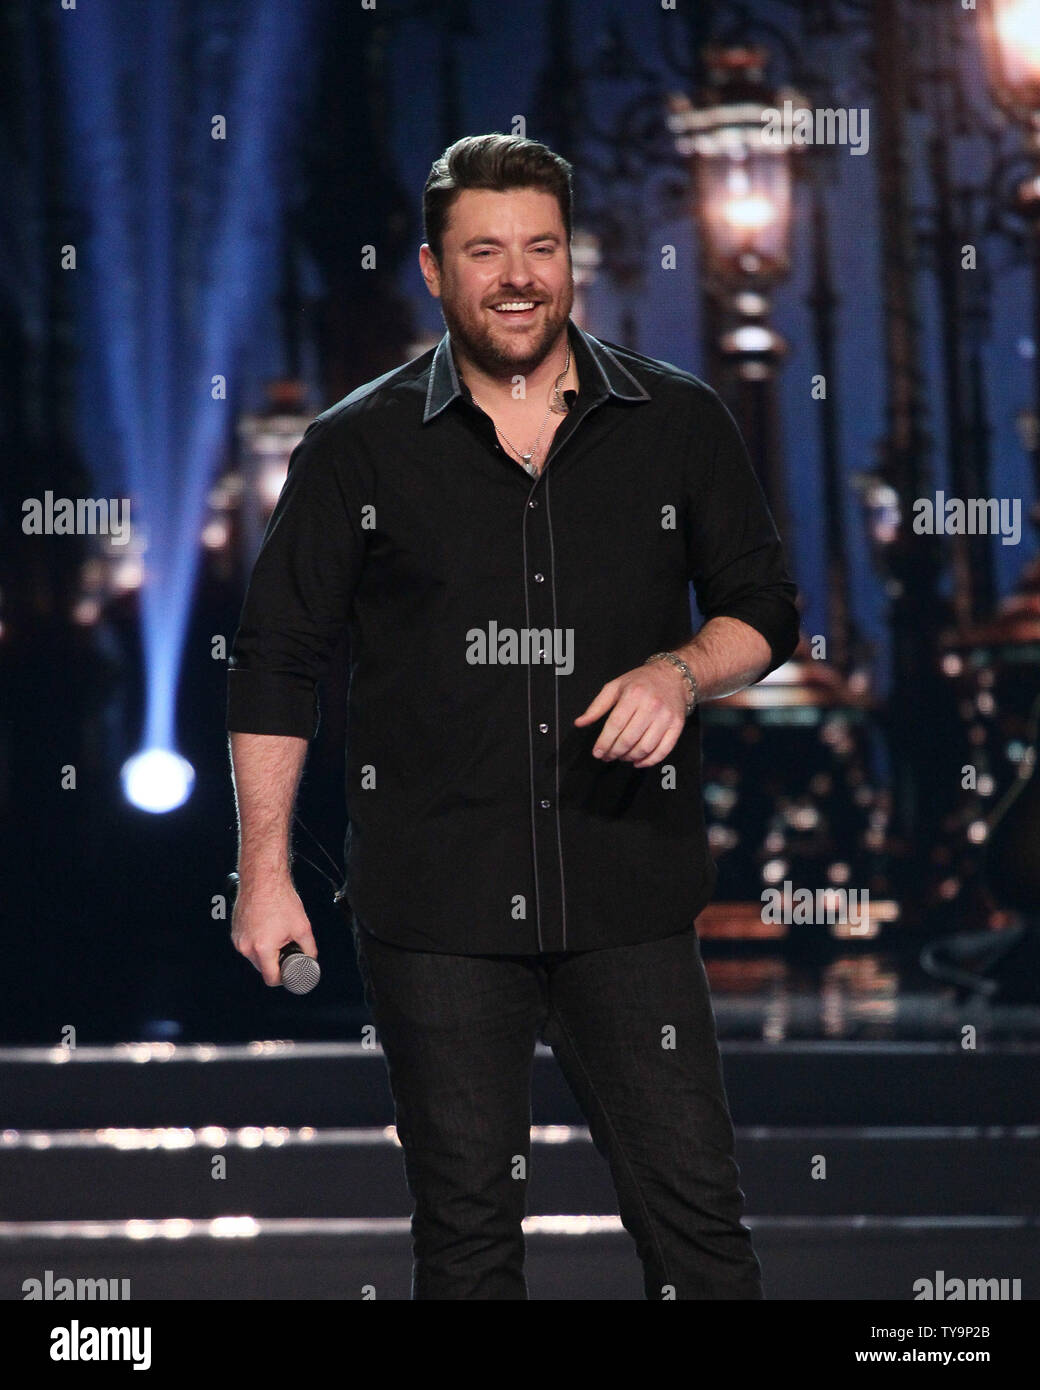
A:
(157, 780)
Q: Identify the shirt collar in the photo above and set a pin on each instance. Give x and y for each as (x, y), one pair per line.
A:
(599, 371)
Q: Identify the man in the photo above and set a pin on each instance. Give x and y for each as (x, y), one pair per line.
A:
(508, 527)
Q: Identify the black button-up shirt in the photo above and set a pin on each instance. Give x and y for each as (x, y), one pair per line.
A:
(485, 610)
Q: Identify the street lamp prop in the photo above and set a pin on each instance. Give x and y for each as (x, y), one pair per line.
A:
(786, 760)
(1010, 639)
(742, 204)
(994, 662)
(1011, 49)
(743, 192)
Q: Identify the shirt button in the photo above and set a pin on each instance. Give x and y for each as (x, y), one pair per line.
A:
(539, 579)
(545, 805)
(533, 502)
(543, 728)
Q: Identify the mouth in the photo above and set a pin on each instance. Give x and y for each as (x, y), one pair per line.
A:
(516, 310)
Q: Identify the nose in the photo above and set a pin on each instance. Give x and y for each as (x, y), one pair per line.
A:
(516, 273)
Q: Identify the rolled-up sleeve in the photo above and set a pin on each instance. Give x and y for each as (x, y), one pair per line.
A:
(735, 557)
(299, 595)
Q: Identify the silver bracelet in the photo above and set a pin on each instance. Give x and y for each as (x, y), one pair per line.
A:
(680, 665)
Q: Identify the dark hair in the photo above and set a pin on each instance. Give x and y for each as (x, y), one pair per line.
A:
(497, 162)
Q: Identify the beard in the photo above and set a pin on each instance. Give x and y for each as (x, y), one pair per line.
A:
(504, 353)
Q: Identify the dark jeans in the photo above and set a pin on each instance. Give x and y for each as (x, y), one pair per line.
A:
(633, 1030)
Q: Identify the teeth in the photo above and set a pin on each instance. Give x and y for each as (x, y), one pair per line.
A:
(517, 304)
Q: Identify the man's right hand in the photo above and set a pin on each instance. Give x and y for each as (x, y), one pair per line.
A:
(265, 918)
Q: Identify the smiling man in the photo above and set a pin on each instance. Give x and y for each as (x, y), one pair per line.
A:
(526, 850)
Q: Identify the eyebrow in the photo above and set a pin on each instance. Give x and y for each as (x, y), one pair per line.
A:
(494, 241)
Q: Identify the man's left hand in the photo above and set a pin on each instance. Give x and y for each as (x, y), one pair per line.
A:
(648, 714)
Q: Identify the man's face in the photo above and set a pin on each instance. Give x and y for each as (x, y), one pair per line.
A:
(500, 249)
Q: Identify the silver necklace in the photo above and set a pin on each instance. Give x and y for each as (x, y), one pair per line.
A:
(557, 404)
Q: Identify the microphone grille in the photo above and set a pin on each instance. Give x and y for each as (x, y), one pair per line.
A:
(300, 973)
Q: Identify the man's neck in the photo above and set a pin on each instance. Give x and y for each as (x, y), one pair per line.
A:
(499, 391)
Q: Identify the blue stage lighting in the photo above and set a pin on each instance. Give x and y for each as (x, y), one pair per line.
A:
(181, 259)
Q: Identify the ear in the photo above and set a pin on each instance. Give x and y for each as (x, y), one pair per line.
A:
(431, 272)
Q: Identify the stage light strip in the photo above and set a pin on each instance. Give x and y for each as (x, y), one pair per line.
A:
(169, 1139)
(565, 1224)
(281, 1051)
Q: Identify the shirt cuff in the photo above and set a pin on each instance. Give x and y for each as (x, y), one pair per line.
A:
(266, 702)
(774, 619)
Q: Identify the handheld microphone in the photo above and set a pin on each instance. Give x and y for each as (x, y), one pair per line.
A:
(300, 973)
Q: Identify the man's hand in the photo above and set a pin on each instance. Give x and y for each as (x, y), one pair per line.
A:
(649, 713)
(266, 917)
